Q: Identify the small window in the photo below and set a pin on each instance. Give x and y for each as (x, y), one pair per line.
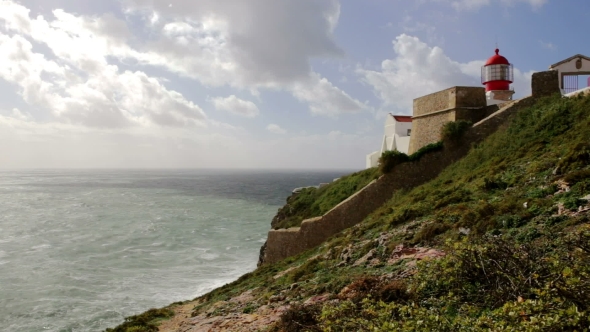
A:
(409, 132)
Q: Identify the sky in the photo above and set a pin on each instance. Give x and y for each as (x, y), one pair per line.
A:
(263, 84)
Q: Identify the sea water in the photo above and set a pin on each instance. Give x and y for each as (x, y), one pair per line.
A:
(82, 249)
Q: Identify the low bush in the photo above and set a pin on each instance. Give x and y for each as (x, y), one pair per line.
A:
(424, 150)
(145, 322)
(390, 159)
(299, 318)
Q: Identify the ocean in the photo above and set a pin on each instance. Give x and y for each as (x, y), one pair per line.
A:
(82, 249)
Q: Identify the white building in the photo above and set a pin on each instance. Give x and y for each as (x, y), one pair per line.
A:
(573, 73)
(397, 137)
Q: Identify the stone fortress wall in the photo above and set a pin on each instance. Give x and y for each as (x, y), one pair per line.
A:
(283, 243)
(432, 111)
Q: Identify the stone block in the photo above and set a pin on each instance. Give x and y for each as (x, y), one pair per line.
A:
(545, 83)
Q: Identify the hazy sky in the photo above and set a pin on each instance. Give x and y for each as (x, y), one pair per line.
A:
(248, 83)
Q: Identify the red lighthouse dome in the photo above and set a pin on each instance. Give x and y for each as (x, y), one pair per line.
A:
(497, 73)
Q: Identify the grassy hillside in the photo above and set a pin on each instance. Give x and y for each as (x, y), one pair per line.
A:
(314, 202)
(499, 241)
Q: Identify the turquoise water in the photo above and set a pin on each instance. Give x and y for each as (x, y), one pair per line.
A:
(81, 250)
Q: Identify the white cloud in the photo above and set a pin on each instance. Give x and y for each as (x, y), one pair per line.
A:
(324, 98)
(476, 4)
(275, 129)
(20, 115)
(236, 106)
(250, 45)
(418, 69)
(548, 45)
(258, 42)
(206, 40)
(80, 86)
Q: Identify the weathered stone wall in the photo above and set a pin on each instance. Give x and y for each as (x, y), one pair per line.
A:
(457, 96)
(427, 129)
(545, 83)
(469, 96)
(283, 243)
(432, 111)
(433, 102)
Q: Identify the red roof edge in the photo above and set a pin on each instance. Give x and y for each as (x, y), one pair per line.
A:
(402, 118)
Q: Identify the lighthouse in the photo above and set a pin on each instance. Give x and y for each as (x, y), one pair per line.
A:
(496, 75)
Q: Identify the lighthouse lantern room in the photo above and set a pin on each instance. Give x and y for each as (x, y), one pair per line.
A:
(496, 75)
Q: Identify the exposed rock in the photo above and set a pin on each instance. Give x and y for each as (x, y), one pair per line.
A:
(418, 253)
(282, 273)
(264, 316)
(261, 254)
(317, 299)
(276, 298)
(561, 210)
(563, 187)
(369, 256)
(464, 231)
(243, 298)
(346, 254)
(329, 254)
(384, 239)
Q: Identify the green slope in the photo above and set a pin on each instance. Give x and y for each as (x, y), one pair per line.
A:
(314, 202)
(507, 216)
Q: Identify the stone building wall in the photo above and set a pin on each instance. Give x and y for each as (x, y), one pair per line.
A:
(432, 111)
(426, 130)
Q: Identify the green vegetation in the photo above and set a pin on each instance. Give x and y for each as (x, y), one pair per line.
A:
(390, 159)
(453, 132)
(145, 322)
(511, 217)
(314, 202)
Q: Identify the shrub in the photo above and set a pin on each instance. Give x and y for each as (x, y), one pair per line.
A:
(145, 322)
(389, 159)
(429, 231)
(577, 157)
(299, 318)
(424, 150)
(453, 132)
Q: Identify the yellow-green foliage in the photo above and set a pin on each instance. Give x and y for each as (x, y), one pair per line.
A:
(491, 285)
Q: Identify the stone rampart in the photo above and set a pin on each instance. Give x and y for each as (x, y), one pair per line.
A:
(432, 111)
(455, 97)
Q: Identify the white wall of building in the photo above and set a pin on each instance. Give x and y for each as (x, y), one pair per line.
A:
(491, 100)
(395, 138)
(570, 67)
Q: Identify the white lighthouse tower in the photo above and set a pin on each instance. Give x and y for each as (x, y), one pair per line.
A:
(496, 75)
